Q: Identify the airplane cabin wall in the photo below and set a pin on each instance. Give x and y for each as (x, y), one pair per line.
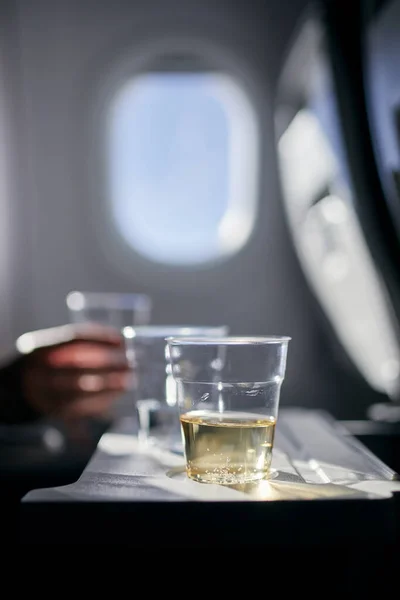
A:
(56, 51)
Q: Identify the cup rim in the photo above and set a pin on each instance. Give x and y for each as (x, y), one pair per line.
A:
(228, 340)
(174, 331)
(77, 300)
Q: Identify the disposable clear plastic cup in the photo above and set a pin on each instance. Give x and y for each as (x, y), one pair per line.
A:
(228, 392)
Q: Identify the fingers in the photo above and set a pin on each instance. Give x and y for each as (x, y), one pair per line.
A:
(65, 334)
(85, 355)
(56, 392)
(72, 381)
(89, 406)
(97, 332)
(74, 370)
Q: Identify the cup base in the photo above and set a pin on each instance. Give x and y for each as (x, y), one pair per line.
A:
(229, 479)
(182, 474)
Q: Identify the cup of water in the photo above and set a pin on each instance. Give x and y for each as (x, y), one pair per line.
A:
(113, 309)
(155, 388)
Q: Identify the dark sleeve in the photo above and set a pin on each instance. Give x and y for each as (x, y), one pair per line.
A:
(13, 406)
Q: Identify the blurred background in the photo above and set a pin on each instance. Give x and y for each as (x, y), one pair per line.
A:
(236, 162)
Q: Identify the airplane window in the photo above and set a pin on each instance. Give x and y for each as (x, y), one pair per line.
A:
(182, 162)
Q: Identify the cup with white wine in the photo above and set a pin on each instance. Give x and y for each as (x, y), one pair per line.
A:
(228, 392)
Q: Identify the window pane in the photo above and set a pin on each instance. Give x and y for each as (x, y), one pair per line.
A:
(173, 166)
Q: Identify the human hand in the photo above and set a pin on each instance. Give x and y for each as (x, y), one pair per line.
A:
(73, 371)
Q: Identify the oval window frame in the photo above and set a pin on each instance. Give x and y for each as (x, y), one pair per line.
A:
(112, 72)
(239, 216)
